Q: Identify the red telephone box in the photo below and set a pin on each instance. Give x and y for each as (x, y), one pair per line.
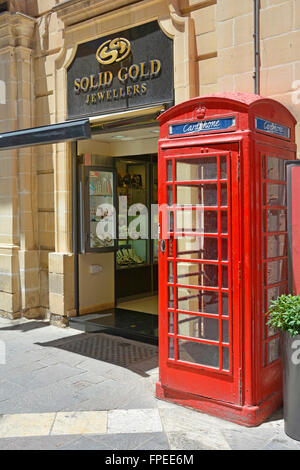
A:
(223, 253)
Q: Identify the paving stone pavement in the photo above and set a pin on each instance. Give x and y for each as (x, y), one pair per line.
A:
(53, 398)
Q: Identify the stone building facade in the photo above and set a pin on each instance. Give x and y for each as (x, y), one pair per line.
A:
(213, 52)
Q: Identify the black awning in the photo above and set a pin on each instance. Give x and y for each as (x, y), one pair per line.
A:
(62, 132)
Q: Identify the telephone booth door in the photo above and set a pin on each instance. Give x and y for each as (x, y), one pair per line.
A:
(199, 271)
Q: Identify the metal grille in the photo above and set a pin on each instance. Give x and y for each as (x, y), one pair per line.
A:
(111, 349)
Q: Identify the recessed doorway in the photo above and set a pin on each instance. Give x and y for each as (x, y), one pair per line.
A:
(122, 298)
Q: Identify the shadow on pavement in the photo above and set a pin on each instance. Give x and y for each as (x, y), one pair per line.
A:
(28, 326)
(133, 355)
(277, 416)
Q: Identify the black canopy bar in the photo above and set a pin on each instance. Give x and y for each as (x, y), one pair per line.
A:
(61, 132)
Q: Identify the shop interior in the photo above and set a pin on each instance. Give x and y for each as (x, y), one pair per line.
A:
(118, 268)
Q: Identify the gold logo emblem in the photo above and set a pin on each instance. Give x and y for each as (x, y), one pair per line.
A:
(113, 50)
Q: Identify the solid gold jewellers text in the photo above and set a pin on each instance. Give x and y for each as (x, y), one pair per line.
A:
(97, 87)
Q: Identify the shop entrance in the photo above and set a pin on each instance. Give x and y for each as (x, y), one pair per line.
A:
(118, 275)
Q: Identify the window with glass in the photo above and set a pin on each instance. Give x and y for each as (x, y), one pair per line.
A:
(274, 248)
(100, 209)
(198, 195)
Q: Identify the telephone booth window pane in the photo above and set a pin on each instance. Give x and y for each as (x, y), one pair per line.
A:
(225, 305)
(196, 169)
(225, 277)
(171, 297)
(202, 195)
(273, 350)
(224, 222)
(210, 249)
(171, 271)
(170, 195)
(271, 331)
(211, 222)
(171, 348)
(276, 271)
(169, 170)
(273, 293)
(198, 221)
(276, 220)
(275, 169)
(170, 221)
(198, 353)
(210, 277)
(224, 195)
(198, 327)
(264, 354)
(171, 322)
(225, 359)
(197, 248)
(197, 300)
(276, 246)
(263, 222)
(224, 248)
(197, 274)
(275, 195)
(225, 331)
(223, 161)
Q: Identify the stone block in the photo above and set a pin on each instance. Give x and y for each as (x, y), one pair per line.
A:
(281, 49)
(208, 71)
(226, 83)
(227, 9)
(243, 29)
(9, 302)
(204, 19)
(83, 422)
(208, 89)
(225, 34)
(60, 263)
(235, 60)
(9, 282)
(207, 43)
(244, 82)
(277, 20)
(276, 80)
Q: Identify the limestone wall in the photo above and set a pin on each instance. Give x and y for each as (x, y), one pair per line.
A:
(213, 53)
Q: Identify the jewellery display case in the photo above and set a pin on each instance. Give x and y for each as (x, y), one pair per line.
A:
(100, 213)
(136, 252)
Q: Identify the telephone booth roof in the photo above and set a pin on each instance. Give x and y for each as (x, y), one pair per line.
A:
(246, 106)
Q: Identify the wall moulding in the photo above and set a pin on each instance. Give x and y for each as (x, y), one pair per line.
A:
(70, 14)
(16, 29)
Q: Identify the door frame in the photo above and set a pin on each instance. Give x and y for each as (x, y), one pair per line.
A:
(172, 370)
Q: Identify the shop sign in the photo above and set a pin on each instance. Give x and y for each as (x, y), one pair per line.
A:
(272, 128)
(125, 70)
(207, 126)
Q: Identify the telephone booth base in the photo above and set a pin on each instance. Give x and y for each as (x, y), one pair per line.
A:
(249, 416)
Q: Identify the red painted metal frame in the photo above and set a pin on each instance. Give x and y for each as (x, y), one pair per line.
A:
(248, 392)
(295, 230)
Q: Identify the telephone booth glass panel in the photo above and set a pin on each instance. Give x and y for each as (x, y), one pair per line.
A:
(198, 192)
(275, 247)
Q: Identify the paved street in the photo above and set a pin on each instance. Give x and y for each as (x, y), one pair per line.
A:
(63, 389)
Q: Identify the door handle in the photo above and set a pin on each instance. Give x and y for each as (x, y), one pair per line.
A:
(162, 246)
